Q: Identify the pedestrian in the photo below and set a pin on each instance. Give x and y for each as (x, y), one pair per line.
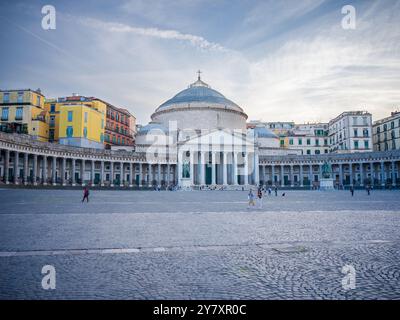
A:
(269, 191)
(251, 198)
(85, 194)
(368, 189)
(352, 191)
(259, 196)
(276, 191)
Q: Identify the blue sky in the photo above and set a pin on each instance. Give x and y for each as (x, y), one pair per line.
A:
(280, 60)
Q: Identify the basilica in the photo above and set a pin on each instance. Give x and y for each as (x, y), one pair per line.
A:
(197, 139)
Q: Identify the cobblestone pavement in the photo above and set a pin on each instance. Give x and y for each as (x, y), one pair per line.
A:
(199, 245)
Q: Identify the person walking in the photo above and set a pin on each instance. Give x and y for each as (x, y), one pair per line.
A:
(269, 191)
(85, 194)
(251, 198)
(260, 198)
(368, 189)
(352, 190)
(276, 191)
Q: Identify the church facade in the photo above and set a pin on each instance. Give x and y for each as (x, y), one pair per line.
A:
(197, 139)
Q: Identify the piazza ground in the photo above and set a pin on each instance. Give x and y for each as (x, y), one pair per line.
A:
(199, 245)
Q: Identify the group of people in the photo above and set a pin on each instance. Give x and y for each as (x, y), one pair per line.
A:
(258, 198)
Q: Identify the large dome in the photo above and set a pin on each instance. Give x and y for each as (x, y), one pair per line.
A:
(200, 107)
(200, 92)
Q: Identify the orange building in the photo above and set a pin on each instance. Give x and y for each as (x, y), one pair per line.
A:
(120, 127)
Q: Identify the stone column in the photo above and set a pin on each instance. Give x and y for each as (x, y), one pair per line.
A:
(202, 165)
(310, 174)
(256, 170)
(73, 171)
(351, 173)
(111, 174)
(214, 173)
(6, 166)
(168, 175)
(179, 164)
(83, 164)
(16, 167)
(273, 174)
(92, 167)
(225, 169)
(140, 174)
(382, 174)
(282, 180)
(246, 168)
(159, 174)
(151, 174)
(35, 167)
(301, 176)
(291, 176)
(122, 175)
(235, 168)
(102, 173)
(371, 170)
(54, 171)
(26, 168)
(340, 174)
(64, 166)
(131, 175)
(361, 174)
(44, 170)
(320, 174)
(393, 174)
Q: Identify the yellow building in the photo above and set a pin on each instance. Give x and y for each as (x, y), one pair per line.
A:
(77, 121)
(22, 111)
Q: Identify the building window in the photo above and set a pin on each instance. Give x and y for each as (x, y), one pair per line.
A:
(6, 97)
(355, 144)
(282, 143)
(392, 124)
(85, 132)
(20, 98)
(355, 132)
(317, 152)
(101, 138)
(300, 142)
(4, 114)
(70, 131)
(308, 151)
(291, 142)
(38, 100)
(86, 116)
(308, 142)
(326, 142)
(366, 144)
(70, 116)
(317, 142)
(19, 113)
(51, 134)
(52, 108)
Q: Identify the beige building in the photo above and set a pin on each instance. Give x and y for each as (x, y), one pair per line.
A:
(310, 138)
(386, 133)
(351, 131)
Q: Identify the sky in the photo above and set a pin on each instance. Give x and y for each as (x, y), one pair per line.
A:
(288, 60)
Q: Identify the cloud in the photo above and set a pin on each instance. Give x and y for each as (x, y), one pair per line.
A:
(194, 40)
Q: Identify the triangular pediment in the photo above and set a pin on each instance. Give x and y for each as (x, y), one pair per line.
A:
(219, 139)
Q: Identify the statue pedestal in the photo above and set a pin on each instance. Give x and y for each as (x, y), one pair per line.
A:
(185, 183)
(326, 184)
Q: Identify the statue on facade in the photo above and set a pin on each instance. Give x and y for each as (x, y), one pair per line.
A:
(185, 169)
(326, 170)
